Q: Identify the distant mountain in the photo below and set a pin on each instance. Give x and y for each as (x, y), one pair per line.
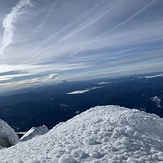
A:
(52, 104)
(147, 99)
(101, 134)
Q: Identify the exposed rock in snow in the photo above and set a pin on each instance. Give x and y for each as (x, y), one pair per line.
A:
(8, 137)
(157, 100)
(34, 131)
(103, 134)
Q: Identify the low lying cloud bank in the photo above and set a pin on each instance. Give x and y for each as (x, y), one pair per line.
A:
(152, 76)
(103, 83)
(99, 135)
(83, 91)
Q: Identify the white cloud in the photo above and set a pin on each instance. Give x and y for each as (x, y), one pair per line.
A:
(113, 28)
(28, 82)
(105, 35)
(153, 76)
(103, 83)
(33, 74)
(36, 69)
(10, 19)
(93, 20)
(51, 76)
(5, 78)
(83, 91)
(79, 92)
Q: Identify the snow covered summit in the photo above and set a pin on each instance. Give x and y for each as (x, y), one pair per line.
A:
(106, 134)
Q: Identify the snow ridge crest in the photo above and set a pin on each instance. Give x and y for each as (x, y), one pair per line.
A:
(99, 135)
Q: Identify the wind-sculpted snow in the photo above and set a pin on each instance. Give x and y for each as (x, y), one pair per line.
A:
(34, 131)
(106, 134)
(8, 136)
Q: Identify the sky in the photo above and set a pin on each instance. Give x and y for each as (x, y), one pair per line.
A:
(54, 40)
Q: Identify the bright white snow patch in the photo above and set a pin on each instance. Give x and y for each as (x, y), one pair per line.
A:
(157, 100)
(34, 131)
(8, 136)
(83, 91)
(103, 134)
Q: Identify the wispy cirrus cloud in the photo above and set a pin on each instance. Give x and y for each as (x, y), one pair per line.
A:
(80, 39)
(10, 19)
(12, 73)
(113, 28)
(21, 76)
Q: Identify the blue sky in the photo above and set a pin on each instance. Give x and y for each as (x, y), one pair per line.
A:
(47, 41)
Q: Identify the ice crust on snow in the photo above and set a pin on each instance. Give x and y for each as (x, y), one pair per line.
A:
(103, 134)
(8, 137)
(34, 131)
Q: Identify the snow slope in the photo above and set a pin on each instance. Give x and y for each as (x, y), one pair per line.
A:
(106, 134)
(34, 131)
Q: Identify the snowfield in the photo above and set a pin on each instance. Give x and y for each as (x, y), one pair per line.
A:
(103, 134)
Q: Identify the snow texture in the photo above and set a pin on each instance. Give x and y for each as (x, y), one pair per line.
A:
(106, 134)
(8, 137)
(34, 131)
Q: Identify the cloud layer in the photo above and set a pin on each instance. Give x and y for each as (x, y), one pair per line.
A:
(79, 39)
(10, 19)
